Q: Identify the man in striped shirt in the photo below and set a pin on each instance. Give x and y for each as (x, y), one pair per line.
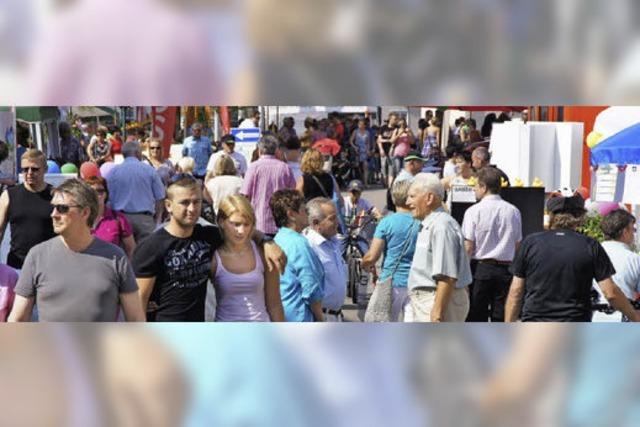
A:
(264, 177)
(492, 230)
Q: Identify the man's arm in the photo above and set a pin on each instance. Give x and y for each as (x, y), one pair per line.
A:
(373, 254)
(22, 308)
(275, 257)
(145, 287)
(617, 299)
(132, 307)
(514, 299)
(4, 213)
(470, 246)
(444, 288)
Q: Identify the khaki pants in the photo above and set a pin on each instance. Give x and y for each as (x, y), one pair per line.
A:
(421, 302)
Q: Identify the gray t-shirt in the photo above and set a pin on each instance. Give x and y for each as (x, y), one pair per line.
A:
(76, 286)
(439, 252)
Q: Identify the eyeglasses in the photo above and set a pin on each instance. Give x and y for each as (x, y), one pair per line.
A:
(30, 169)
(63, 209)
(155, 148)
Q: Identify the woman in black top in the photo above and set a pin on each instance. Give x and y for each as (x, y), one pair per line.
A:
(314, 182)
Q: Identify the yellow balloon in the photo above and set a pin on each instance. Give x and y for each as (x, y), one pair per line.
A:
(594, 138)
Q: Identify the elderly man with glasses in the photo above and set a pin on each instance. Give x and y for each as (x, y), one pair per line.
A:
(76, 277)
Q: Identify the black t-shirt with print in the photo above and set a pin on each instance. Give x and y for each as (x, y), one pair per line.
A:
(181, 267)
(559, 267)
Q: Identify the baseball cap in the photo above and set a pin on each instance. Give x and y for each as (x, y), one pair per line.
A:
(566, 200)
(414, 155)
(356, 185)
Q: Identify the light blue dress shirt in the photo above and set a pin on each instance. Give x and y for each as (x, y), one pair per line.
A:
(200, 150)
(303, 280)
(134, 187)
(335, 269)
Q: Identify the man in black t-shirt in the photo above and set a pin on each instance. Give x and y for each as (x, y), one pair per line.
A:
(173, 264)
(384, 147)
(554, 270)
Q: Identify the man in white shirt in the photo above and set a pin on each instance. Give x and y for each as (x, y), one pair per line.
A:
(619, 228)
(228, 148)
(321, 234)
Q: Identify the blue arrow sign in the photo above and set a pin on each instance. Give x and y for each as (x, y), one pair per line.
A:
(246, 134)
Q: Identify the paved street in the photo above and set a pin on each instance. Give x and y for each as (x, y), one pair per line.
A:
(353, 313)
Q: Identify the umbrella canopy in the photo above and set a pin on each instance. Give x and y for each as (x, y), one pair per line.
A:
(93, 111)
(622, 148)
(327, 146)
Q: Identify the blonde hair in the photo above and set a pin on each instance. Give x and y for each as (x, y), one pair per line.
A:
(236, 203)
(34, 155)
(187, 164)
(224, 166)
(312, 162)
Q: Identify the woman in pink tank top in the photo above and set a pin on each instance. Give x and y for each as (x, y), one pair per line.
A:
(245, 290)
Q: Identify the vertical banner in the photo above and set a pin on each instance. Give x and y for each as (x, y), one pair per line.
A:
(224, 119)
(8, 169)
(163, 124)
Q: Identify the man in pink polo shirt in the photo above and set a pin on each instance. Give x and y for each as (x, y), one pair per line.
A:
(264, 177)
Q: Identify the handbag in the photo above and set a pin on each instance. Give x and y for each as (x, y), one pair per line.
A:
(381, 301)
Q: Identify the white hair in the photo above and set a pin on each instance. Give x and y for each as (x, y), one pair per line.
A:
(314, 208)
(187, 164)
(428, 183)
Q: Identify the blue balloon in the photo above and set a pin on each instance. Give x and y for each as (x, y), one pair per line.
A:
(53, 167)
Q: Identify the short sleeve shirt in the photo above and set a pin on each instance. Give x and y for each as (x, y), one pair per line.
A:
(439, 252)
(397, 231)
(71, 286)
(559, 267)
(181, 267)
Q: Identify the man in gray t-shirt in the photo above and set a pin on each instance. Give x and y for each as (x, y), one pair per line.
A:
(75, 277)
(440, 271)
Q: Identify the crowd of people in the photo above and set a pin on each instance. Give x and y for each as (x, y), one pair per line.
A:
(143, 238)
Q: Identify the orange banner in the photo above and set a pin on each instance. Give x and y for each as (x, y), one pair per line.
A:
(164, 123)
(224, 119)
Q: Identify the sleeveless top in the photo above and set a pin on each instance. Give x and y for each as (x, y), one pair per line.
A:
(29, 217)
(362, 141)
(402, 146)
(240, 297)
(311, 189)
(100, 150)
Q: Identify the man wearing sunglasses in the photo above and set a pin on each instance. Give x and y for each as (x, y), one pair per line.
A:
(27, 209)
(173, 265)
(76, 277)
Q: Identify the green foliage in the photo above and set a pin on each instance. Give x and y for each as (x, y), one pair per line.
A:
(591, 226)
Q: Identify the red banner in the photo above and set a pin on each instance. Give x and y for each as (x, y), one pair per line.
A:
(164, 123)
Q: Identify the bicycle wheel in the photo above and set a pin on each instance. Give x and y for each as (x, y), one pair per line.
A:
(354, 277)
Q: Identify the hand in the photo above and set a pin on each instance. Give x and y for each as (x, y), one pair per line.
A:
(275, 257)
(435, 317)
(152, 306)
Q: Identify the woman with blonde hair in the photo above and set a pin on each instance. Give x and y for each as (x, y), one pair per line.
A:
(163, 166)
(314, 182)
(221, 182)
(245, 290)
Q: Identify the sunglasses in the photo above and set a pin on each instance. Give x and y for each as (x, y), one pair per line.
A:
(155, 148)
(30, 169)
(63, 209)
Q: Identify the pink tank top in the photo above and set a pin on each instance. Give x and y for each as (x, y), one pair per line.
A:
(240, 297)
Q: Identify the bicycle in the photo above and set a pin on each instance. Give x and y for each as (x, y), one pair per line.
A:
(357, 241)
(605, 308)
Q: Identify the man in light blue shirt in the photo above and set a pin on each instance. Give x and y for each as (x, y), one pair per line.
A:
(440, 271)
(321, 234)
(619, 228)
(199, 148)
(135, 189)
